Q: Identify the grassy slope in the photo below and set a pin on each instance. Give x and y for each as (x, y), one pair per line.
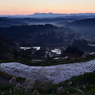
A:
(81, 85)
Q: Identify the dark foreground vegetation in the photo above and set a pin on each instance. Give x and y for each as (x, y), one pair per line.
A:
(79, 85)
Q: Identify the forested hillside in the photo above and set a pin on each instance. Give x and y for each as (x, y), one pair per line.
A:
(40, 35)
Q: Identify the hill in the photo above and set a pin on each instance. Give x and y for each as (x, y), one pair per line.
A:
(83, 23)
(38, 35)
(6, 22)
(7, 48)
(85, 26)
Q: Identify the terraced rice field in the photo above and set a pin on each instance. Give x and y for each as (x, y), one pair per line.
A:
(57, 73)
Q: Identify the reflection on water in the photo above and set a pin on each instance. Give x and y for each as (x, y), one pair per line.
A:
(26, 48)
(56, 51)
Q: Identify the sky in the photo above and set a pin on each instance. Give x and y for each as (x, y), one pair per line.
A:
(26, 7)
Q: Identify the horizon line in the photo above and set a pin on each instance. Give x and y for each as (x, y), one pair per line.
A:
(46, 13)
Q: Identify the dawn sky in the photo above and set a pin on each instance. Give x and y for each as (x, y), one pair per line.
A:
(24, 7)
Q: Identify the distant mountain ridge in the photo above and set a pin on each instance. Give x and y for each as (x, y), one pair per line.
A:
(49, 15)
(42, 18)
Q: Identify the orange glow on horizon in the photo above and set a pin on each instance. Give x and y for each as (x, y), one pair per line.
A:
(26, 7)
(31, 12)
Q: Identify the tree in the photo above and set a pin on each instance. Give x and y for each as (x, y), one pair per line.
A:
(73, 51)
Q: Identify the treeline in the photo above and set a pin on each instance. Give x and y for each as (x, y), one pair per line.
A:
(83, 45)
(38, 34)
(7, 48)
